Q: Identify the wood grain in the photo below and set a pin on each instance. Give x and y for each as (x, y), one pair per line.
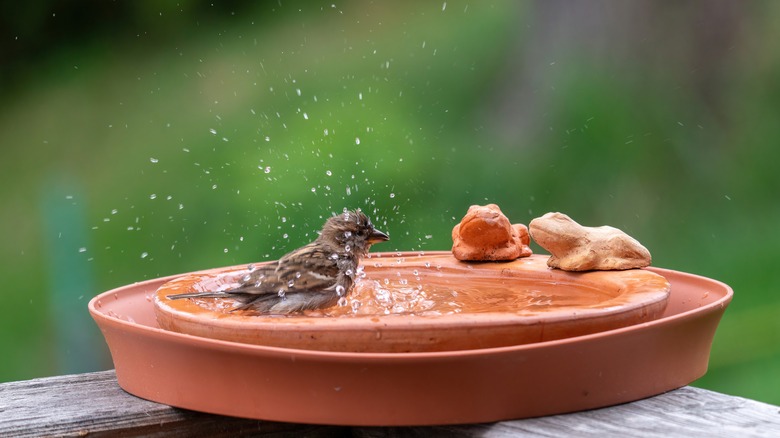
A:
(93, 404)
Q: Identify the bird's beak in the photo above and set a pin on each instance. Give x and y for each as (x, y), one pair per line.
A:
(377, 236)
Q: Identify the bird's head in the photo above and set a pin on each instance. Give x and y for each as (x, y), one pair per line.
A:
(351, 231)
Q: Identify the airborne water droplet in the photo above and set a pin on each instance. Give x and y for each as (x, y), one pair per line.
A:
(357, 140)
(153, 160)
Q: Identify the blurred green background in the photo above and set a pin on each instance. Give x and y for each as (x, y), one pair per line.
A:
(143, 139)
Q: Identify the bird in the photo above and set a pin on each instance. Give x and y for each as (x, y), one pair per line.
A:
(314, 276)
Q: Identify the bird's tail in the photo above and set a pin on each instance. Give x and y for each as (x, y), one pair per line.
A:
(197, 295)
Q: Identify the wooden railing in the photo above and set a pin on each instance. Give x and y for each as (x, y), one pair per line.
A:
(94, 405)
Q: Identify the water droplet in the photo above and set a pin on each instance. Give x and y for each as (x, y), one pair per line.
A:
(82, 249)
(213, 131)
(290, 283)
(347, 234)
(144, 255)
(314, 190)
(328, 172)
(347, 248)
(355, 305)
(251, 267)
(415, 272)
(153, 196)
(444, 6)
(298, 91)
(348, 272)
(305, 116)
(297, 275)
(349, 191)
(225, 250)
(392, 195)
(340, 290)
(281, 293)
(357, 140)
(266, 169)
(246, 278)
(343, 301)
(154, 160)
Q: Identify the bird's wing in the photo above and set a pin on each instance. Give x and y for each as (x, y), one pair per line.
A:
(310, 268)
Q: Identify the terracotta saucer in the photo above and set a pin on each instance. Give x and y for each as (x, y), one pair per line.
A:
(449, 387)
(408, 302)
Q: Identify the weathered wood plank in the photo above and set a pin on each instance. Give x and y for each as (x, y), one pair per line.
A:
(93, 404)
(687, 412)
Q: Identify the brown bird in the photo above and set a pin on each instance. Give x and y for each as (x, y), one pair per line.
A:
(313, 276)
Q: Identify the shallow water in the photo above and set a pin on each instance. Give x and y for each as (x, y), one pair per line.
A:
(450, 295)
(401, 291)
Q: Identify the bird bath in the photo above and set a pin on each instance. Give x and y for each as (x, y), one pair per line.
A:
(381, 389)
(416, 302)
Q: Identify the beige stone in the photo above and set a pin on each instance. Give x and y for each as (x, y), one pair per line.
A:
(578, 248)
(485, 233)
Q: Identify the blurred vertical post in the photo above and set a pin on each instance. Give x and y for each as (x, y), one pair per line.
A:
(76, 343)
